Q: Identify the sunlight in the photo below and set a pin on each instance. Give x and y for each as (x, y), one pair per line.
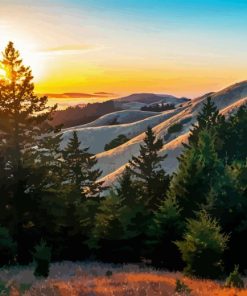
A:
(28, 52)
(2, 74)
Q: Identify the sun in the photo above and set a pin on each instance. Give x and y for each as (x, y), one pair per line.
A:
(28, 50)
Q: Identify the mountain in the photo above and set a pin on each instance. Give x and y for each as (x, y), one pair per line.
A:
(78, 95)
(112, 162)
(149, 98)
(121, 117)
(97, 137)
(227, 100)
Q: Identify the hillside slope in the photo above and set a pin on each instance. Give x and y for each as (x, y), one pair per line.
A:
(96, 137)
(113, 162)
(120, 117)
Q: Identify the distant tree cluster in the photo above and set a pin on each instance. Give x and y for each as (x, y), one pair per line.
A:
(52, 204)
(158, 107)
(82, 114)
(119, 140)
(175, 128)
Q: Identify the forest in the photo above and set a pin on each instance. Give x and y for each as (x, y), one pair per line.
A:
(51, 202)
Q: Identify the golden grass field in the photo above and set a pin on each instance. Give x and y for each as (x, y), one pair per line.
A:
(77, 279)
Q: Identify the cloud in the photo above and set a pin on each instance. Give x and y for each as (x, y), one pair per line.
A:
(67, 49)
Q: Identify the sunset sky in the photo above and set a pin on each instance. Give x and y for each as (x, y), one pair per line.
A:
(184, 48)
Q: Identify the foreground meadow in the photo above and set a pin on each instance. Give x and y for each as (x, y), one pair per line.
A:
(97, 279)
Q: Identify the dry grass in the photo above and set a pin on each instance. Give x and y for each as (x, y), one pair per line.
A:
(89, 279)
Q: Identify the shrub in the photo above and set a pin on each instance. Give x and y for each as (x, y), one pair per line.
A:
(7, 247)
(42, 257)
(23, 288)
(4, 289)
(234, 280)
(202, 247)
(109, 273)
(175, 128)
(119, 140)
(181, 287)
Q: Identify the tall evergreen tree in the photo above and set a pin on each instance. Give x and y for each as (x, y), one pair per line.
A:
(25, 121)
(147, 169)
(200, 171)
(24, 111)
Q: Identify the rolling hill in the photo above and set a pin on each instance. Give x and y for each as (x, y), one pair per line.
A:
(112, 162)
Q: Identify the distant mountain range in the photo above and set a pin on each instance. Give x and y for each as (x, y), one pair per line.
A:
(149, 98)
(76, 95)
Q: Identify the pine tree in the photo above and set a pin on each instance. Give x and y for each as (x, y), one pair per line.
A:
(166, 227)
(200, 170)
(80, 170)
(26, 117)
(147, 169)
(207, 118)
(203, 246)
(128, 189)
(25, 112)
(82, 190)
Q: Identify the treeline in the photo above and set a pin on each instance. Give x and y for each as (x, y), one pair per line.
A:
(78, 115)
(195, 219)
(158, 107)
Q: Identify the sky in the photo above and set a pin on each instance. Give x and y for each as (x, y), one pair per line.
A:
(185, 48)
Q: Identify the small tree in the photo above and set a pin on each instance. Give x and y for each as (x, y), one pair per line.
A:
(42, 258)
(207, 118)
(234, 280)
(203, 247)
(119, 140)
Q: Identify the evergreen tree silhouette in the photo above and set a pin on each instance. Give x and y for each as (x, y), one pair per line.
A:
(148, 170)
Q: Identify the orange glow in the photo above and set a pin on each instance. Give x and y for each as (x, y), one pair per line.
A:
(136, 284)
(82, 53)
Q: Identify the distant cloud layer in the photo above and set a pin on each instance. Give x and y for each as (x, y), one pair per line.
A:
(67, 49)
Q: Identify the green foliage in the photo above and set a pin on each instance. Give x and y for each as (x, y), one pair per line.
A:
(79, 169)
(119, 140)
(42, 258)
(4, 289)
(202, 247)
(7, 247)
(200, 170)
(147, 169)
(23, 288)
(158, 107)
(166, 227)
(175, 128)
(207, 119)
(182, 288)
(108, 219)
(234, 280)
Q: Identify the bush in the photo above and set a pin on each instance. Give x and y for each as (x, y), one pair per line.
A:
(4, 289)
(175, 128)
(42, 257)
(234, 280)
(202, 247)
(7, 247)
(181, 287)
(121, 139)
(109, 273)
